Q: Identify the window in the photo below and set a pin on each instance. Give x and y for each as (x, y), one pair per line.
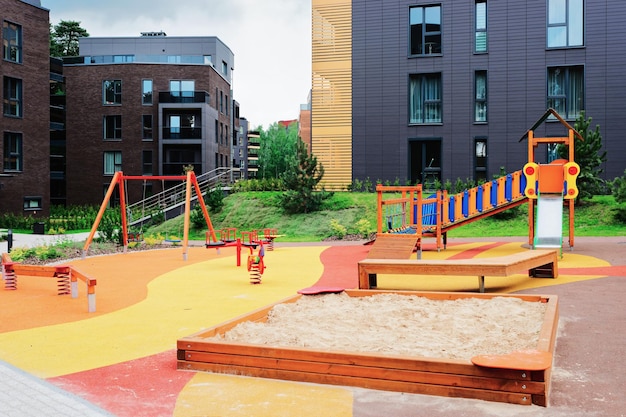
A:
(112, 127)
(146, 162)
(566, 90)
(33, 203)
(112, 162)
(12, 97)
(221, 102)
(480, 160)
(208, 60)
(425, 98)
(12, 151)
(565, 23)
(146, 131)
(224, 68)
(119, 59)
(146, 92)
(174, 126)
(480, 96)
(480, 39)
(12, 42)
(227, 105)
(182, 88)
(112, 92)
(425, 30)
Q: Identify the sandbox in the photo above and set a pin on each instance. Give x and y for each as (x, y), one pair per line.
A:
(512, 377)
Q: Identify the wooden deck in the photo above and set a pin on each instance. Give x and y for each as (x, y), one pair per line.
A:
(538, 263)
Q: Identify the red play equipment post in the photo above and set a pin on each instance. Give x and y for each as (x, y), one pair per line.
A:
(119, 179)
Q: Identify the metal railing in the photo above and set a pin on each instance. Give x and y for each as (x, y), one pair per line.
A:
(171, 201)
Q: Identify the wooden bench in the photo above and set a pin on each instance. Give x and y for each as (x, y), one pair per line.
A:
(538, 263)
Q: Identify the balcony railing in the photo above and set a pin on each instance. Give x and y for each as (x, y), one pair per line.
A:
(184, 97)
(182, 133)
(173, 198)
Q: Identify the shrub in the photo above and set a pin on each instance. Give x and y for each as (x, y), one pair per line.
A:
(197, 218)
(619, 213)
(363, 227)
(46, 252)
(338, 229)
(153, 239)
(619, 188)
(18, 254)
(215, 199)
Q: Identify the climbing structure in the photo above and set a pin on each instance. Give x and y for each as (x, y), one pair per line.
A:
(406, 211)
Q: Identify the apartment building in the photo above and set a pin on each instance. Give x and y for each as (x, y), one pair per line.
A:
(25, 121)
(422, 90)
(146, 105)
(252, 150)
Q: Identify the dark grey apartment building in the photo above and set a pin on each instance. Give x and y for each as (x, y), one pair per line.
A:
(445, 89)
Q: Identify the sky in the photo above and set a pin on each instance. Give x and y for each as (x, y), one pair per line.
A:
(271, 40)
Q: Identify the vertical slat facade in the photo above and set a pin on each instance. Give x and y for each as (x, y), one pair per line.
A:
(331, 95)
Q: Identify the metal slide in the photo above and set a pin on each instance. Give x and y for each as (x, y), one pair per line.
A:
(549, 222)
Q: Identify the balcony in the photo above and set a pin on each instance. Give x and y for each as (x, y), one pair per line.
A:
(182, 133)
(184, 97)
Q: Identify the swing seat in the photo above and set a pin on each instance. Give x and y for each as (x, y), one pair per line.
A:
(135, 237)
(215, 244)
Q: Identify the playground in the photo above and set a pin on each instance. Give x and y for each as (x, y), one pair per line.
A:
(143, 348)
(123, 356)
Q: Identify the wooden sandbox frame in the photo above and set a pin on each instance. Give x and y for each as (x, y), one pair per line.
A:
(417, 375)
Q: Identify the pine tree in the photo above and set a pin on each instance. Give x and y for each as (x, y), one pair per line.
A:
(589, 156)
(64, 38)
(301, 183)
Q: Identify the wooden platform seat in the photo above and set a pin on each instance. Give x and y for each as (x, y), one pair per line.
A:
(66, 275)
(538, 263)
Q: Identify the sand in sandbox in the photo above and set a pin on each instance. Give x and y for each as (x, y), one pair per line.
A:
(398, 325)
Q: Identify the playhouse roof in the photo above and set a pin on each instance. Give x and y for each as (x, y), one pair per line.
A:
(548, 113)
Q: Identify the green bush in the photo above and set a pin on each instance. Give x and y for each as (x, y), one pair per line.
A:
(338, 229)
(215, 199)
(619, 188)
(363, 227)
(619, 213)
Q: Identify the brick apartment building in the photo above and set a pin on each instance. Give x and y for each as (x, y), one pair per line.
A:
(25, 88)
(146, 105)
(444, 89)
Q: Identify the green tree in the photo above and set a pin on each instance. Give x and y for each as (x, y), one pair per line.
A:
(64, 38)
(301, 183)
(279, 145)
(589, 156)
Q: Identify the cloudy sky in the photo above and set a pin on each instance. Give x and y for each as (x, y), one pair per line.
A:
(271, 40)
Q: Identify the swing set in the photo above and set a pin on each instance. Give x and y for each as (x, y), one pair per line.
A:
(119, 180)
